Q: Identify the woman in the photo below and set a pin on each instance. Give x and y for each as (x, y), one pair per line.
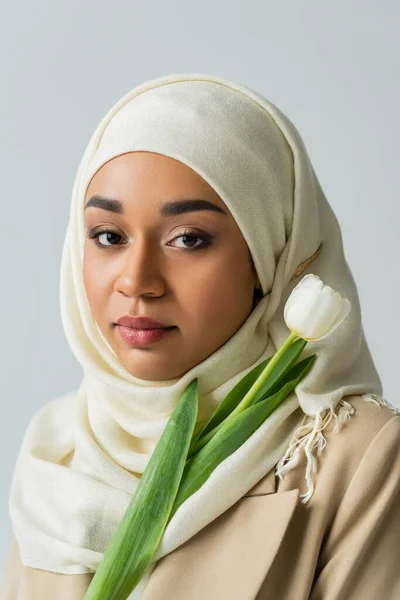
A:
(196, 205)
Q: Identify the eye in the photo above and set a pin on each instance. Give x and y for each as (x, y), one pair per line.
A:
(109, 235)
(193, 235)
(112, 239)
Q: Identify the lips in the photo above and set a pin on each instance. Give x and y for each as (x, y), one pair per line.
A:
(141, 323)
(144, 337)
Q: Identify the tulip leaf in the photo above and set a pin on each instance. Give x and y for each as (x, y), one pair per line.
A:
(234, 397)
(293, 376)
(141, 528)
(230, 401)
(232, 435)
(281, 369)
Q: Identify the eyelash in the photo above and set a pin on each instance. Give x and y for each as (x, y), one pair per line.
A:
(206, 239)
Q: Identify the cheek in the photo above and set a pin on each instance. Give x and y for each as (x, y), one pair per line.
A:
(88, 281)
(222, 288)
(94, 278)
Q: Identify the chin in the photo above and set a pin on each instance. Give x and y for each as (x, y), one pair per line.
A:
(150, 372)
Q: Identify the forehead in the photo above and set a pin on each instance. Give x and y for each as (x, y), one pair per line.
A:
(149, 171)
(151, 180)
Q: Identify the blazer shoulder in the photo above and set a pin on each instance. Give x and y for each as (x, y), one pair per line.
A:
(339, 456)
(352, 439)
(21, 582)
(370, 416)
(359, 555)
(12, 572)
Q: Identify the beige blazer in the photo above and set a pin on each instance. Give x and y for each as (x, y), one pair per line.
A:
(343, 545)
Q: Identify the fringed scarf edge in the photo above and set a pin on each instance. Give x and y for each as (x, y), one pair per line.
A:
(309, 438)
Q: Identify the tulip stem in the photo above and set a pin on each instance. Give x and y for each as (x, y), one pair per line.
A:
(246, 400)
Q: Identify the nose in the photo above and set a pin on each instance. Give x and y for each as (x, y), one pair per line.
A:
(139, 274)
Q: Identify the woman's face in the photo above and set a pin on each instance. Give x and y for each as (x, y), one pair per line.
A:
(189, 269)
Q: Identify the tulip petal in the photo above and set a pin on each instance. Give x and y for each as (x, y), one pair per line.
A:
(344, 311)
(323, 315)
(301, 306)
(314, 310)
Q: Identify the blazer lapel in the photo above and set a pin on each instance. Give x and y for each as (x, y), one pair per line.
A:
(231, 556)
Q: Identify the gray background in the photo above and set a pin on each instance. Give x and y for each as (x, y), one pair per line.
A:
(332, 67)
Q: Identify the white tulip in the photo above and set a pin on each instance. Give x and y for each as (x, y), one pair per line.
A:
(314, 310)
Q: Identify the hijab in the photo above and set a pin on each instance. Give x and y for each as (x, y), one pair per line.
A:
(83, 453)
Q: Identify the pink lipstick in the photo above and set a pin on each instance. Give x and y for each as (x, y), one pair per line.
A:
(142, 331)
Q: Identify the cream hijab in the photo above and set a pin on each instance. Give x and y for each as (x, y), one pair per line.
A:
(83, 453)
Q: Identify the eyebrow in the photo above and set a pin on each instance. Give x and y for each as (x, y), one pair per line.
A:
(169, 209)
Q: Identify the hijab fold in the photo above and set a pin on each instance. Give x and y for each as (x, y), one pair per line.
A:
(83, 453)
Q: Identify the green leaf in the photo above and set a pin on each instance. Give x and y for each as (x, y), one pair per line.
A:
(230, 401)
(232, 435)
(292, 377)
(140, 530)
(234, 397)
(281, 368)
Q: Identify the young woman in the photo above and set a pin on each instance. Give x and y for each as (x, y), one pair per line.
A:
(195, 212)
